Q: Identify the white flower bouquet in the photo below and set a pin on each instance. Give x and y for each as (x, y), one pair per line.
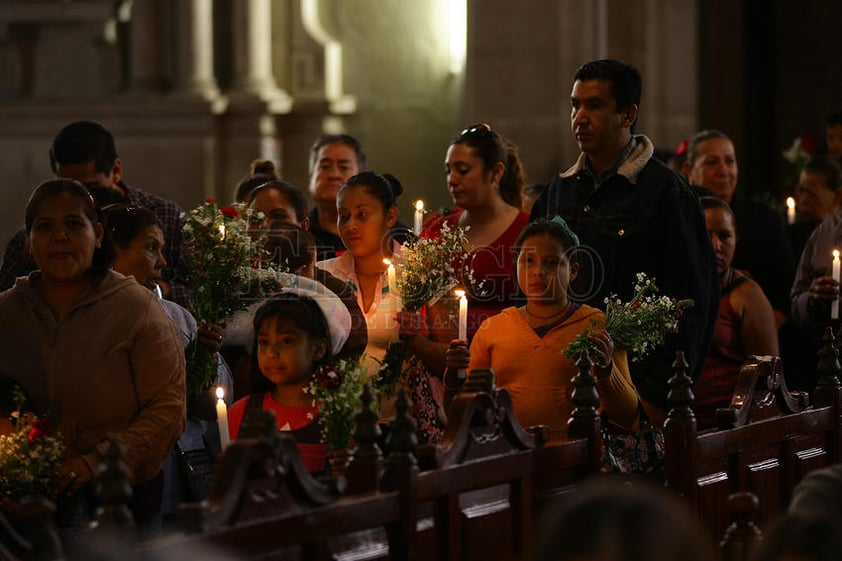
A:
(638, 326)
(432, 267)
(30, 457)
(336, 388)
(225, 272)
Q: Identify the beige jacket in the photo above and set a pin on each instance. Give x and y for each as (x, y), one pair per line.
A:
(111, 366)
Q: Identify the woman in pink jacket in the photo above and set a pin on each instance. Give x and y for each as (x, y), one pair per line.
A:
(95, 350)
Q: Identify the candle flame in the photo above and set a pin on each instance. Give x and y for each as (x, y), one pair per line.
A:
(220, 393)
(388, 262)
(459, 293)
(790, 202)
(836, 254)
(419, 205)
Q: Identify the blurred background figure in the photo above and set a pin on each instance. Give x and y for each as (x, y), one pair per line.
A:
(334, 158)
(281, 203)
(260, 171)
(610, 521)
(818, 196)
(801, 537)
(764, 252)
(833, 134)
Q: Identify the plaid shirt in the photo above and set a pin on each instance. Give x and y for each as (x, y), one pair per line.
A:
(17, 262)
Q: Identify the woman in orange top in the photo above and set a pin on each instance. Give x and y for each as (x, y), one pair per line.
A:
(540, 385)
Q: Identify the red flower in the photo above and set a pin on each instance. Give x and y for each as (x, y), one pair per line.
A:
(229, 211)
(38, 430)
(809, 143)
(636, 304)
(210, 201)
(326, 381)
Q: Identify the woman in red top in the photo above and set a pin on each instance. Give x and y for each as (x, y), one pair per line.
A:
(486, 179)
(746, 322)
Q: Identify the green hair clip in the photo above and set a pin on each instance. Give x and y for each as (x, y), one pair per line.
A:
(561, 222)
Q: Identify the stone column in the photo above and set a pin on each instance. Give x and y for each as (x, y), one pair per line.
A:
(194, 72)
(253, 77)
(147, 48)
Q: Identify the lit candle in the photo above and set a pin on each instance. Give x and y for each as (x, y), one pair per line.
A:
(393, 286)
(463, 326)
(222, 419)
(222, 231)
(834, 306)
(419, 216)
(463, 315)
(790, 210)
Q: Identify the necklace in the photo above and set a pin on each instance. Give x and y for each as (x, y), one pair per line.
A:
(536, 316)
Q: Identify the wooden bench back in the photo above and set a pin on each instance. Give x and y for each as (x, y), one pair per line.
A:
(478, 500)
(775, 439)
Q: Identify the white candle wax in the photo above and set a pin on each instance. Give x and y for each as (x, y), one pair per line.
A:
(463, 325)
(463, 315)
(790, 210)
(222, 420)
(419, 216)
(393, 286)
(834, 306)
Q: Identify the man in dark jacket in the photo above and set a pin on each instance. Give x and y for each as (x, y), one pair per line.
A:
(633, 215)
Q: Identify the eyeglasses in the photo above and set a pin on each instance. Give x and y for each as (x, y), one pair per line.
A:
(480, 129)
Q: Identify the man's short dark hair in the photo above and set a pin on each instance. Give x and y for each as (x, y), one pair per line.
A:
(345, 139)
(834, 119)
(827, 166)
(84, 141)
(626, 85)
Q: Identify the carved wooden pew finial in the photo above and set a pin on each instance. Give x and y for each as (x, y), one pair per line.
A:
(113, 491)
(679, 429)
(742, 536)
(401, 443)
(366, 465)
(828, 367)
(584, 420)
(584, 396)
(680, 394)
(828, 386)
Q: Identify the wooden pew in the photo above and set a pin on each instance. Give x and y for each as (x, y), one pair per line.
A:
(489, 478)
(492, 478)
(770, 439)
(27, 531)
(266, 505)
(478, 499)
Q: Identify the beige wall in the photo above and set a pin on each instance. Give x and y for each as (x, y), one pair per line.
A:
(182, 137)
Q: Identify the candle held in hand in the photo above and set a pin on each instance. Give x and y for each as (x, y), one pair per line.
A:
(463, 315)
(222, 419)
(419, 216)
(393, 286)
(834, 306)
(463, 325)
(790, 210)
